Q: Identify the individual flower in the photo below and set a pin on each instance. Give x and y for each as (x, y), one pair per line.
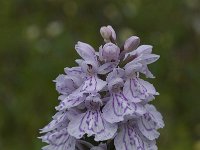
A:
(66, 84)
(91, 82)
(150, 122)
(141, 57)
(56, 133)
(118, 106)
(90, 67)
(91, 122)
(109, 53)
(138, 90)
(130, 138)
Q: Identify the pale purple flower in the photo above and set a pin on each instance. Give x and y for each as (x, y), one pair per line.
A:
(56, 133)
(91, 122)
(118, 106)
(86, 51)
(66, 84)
(105, 98)
(138, 90)
(150, 122)
(141, 58)
(130, 138)
(91, 83)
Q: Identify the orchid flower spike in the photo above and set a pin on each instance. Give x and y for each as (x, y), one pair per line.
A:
(105, 98)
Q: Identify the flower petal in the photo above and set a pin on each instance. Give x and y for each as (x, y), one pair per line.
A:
(131, 91)
(86, 51)
(143, 49)
(74, 71)
(59, 140)
(147, 58)
(147, 127)
(108, 133)
(74, 128)
(73, 112)
(117, 107)
(66, 84)
(149, 87)
(71, 101)
(132, 67)
(150, 122)
(58, 119)
(92, 84)
(79, 61)
(137, 90)
(116, 73)
(91, 123)
(107, 67)
(146, 72)
(155, 116)
(129, 139)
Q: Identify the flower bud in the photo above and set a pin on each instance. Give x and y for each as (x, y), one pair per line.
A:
(109, 52)
(105, 33)
(131, 43)
(108, 33)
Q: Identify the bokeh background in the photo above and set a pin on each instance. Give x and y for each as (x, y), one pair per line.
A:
(37, 39)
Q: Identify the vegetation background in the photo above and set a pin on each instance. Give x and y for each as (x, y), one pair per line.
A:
(37, 39)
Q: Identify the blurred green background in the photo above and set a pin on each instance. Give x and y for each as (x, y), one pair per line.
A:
(37, 39)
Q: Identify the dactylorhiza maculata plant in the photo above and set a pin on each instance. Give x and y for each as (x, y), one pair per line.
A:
(104, 98)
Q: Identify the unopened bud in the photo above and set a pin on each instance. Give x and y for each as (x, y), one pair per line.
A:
(131, 43)
(108, 33)
(105, 33)
(109, 52)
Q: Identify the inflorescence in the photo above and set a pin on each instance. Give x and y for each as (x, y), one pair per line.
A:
(105, 98)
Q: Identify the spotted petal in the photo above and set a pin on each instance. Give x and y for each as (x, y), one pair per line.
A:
(155, 116)
(116, 73)
(58, 119)
(132, 67)
(107, 67)
(117, 107)
(130, 139)
(59, 140)
(147, 127)
(143, 49)
(92, 84)
(92, 123)
(147, 58)
(66, 84)
(150, 122)
(137, 89)
(74, 71)
(71, 101)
